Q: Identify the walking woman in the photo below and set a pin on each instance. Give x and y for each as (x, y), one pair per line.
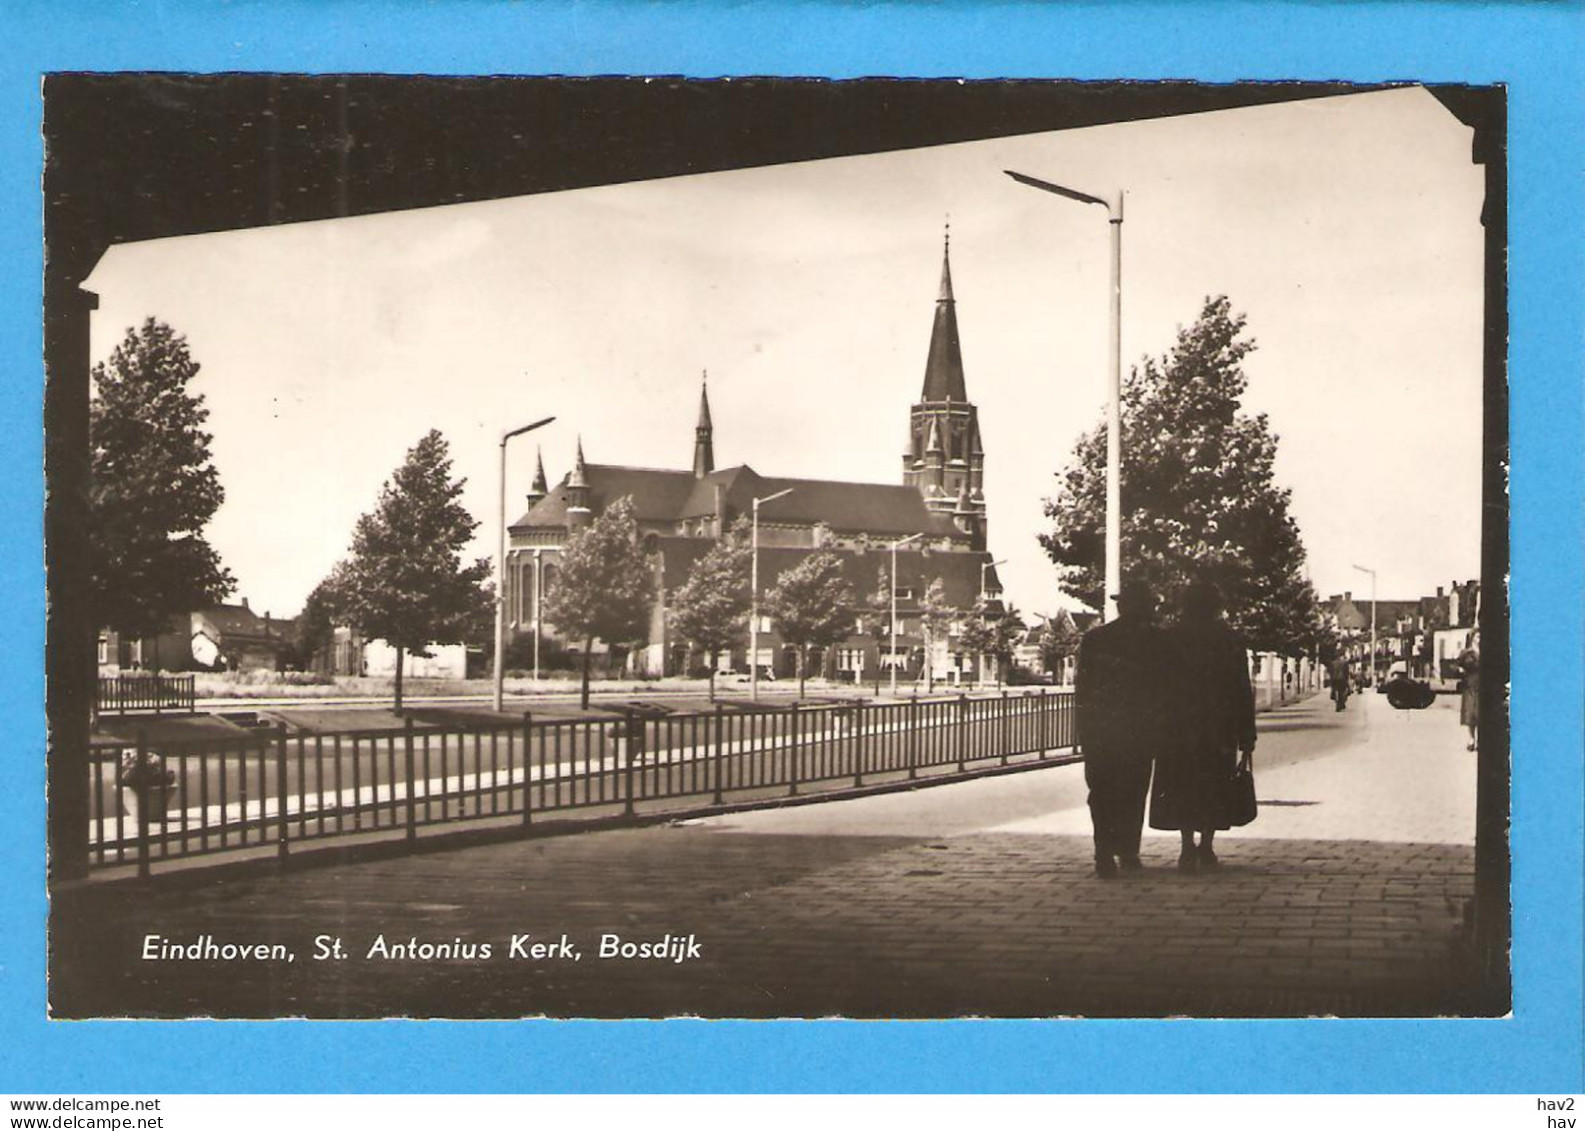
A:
(1215, 708)
(1469, 688)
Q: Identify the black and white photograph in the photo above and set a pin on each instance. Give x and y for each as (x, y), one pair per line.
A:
(775, 548)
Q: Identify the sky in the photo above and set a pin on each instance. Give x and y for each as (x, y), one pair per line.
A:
(1347, 230)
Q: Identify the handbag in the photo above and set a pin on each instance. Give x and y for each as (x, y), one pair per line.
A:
(1238, 795)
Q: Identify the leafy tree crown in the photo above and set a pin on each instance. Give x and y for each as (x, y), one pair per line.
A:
(405, 582)
(1200, 498)
(710, 609)
(811, 603)
(605, 583)
(153, 486)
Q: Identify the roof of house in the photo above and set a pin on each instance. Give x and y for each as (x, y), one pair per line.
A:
(239, 620)
(665, 496)
(1354, 615)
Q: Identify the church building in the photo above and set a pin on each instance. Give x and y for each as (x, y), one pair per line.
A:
(681, 513)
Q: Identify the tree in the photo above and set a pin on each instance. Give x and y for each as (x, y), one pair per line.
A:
(606, 585)
(405, 582)
(711, 608)
(1006, 631)
(979, 632)
(1059, 639)
(322, 611)
(1200, 499)
(812, 607)
(935, 618)
(878, 615)
(152, 487)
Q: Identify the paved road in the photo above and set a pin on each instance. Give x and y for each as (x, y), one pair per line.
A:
(969, 899)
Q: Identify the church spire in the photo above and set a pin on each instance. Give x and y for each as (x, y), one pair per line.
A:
(577, 492)
(580, 471)
(703, 444)
(945, 293)
(944, 365)
(539, 488)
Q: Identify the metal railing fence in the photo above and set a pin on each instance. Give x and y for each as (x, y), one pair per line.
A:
(122, 694)
(171, 799)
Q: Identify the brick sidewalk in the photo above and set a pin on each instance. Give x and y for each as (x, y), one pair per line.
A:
(994, 923)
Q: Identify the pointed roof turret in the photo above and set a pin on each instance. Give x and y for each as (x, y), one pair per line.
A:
(965, 506)
(579, 476)
(934, 446)
(538, 489)
(944, 366)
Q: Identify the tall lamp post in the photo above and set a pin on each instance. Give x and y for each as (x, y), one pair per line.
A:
(1372, 667)
(753, 598)
(539, 604)
(500, 561)
(1114, 417)
(899, 542)
(983, 567)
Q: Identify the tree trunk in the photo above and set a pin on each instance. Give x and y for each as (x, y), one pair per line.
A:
(588, 648)
(399, 665)
(803, 664)
(714, 659)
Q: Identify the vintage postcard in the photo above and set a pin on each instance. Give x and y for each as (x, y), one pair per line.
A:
(775, 548)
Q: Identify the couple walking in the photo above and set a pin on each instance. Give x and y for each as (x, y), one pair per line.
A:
(1174, 699)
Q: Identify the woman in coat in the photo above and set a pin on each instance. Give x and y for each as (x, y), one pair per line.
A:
(1215, 709)
(1469, 688)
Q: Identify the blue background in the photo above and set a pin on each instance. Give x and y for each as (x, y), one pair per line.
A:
(1535, 49)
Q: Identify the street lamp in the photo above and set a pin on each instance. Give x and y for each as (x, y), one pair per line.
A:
(500, 561)
(1372, 668)
(983, 567)
(753, 599)
(899, 542)
(539, 597)
(1114, 417)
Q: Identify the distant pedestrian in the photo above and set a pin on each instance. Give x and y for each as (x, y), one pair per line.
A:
(1120, 691)
(1469, 688)
(1214, 723)
(1340, 683)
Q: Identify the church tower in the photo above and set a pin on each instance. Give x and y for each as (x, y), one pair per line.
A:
(944, 458)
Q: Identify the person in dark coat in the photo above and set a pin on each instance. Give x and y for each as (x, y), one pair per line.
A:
(1469, 689)
(1215, 721)
(1120, 690)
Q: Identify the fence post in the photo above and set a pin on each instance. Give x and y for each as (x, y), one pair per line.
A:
(143, 806)
(792, 751)
(528, 764)
(634, 727)
(963, 734)
(1006, 726)
(720, 795)
(412, 784)
(913, 739)
(857, 730)
(280, 801)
